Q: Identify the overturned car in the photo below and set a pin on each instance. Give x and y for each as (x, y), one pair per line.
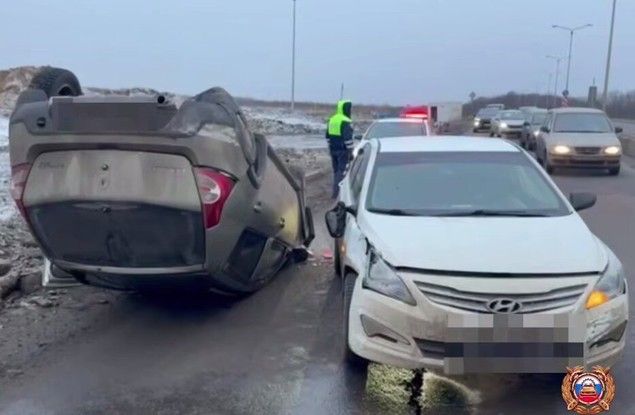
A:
(133, 192)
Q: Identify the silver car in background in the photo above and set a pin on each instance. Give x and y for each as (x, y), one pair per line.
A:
(508, 124)
(531, 128)
(483, 119)
(579, 138)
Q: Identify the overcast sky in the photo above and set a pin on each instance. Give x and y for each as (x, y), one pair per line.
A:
(385, 51)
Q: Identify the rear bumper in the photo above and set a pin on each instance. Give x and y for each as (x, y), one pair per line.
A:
(587, 162)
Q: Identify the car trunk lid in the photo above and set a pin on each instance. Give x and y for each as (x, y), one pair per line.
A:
(114, 208)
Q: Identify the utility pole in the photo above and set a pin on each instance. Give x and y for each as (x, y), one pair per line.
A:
(293, 61)
(342, 91)
(548, 91)
(605, 93)
(558, 60)
(571, 31)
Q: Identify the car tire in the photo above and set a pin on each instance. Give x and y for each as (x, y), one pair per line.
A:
(491, 133)
(548, 167)
(56, 82)
(615, 171)
(355, 362)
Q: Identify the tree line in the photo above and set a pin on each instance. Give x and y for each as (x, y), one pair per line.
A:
(620, 105)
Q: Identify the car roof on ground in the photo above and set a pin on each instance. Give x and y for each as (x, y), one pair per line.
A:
(576, 110)
(446, 144)
(404, 120)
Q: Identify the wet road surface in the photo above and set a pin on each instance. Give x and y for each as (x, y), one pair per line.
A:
(276, 352)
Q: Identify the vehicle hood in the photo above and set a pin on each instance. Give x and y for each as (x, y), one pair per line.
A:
(551, 245)
(584, 139)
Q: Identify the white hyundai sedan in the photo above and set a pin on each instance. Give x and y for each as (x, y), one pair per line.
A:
(431, 241)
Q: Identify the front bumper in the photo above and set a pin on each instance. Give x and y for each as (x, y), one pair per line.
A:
(584, 161)
(511, 131)
(453, 342)
(482, 125)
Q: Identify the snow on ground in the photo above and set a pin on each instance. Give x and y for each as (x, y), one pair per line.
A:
(279, 121)
(7, 208)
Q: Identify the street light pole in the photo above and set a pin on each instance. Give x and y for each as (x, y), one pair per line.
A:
(548, 93)
(605, 94)
(558, 60)
(571, 31)
(293, 61)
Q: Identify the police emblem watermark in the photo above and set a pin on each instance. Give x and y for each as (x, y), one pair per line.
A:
(588, 393)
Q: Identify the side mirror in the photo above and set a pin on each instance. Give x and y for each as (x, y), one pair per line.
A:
(336, 219)
(619, 130)
(581, 201)
(358, 137)
(544, 129)
(526, 124)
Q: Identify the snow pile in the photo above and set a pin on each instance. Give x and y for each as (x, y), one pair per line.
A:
(12, 82)
(279, 121)
(7, 209)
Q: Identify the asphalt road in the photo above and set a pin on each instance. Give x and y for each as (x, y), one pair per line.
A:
(276, 352)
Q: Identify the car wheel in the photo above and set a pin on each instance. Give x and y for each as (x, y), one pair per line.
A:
(354, 361)
(475, 130)
(56, 82)
(614, 171)
(545, 162)
(491, 133)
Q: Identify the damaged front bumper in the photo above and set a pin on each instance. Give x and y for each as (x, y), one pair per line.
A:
(454, 342)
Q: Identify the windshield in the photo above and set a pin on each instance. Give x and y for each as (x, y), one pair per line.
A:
(396, 129)
(487, 112)
(512, 115)
(582, 123)
(457, 183)
(539, 118)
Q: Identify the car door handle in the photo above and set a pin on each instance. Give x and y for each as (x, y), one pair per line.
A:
(258, 207)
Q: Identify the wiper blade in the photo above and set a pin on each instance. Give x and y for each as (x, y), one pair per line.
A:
(394, 212)
(486, 212)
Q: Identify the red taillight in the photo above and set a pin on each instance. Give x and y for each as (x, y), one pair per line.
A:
(214, 189)
(19, 175)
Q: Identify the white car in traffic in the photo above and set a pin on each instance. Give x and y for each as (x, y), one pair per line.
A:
(435, 267)
(579, 138)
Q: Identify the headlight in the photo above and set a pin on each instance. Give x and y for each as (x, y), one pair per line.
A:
(611, 285)
(561, 149)
(536, 133)
(503, 125)
(613, 150)
(382, 278)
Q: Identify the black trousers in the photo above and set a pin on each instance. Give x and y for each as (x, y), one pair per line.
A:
(339, 160)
